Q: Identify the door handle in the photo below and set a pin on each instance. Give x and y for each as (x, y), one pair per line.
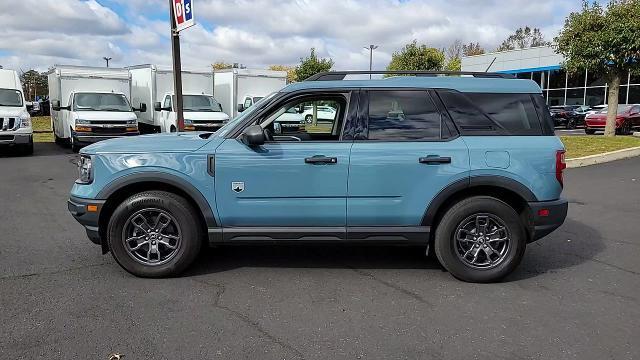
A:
(435, 160)
(320, 159)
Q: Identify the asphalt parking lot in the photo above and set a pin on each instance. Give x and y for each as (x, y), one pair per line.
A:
(575, 295)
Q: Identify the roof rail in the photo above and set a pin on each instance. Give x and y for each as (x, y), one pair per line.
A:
(340, 75)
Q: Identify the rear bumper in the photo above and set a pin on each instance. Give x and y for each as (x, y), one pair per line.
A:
(78, 207)
(14, 139)
(556, 213)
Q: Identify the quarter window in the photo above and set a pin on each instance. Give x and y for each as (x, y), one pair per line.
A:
(403, 115)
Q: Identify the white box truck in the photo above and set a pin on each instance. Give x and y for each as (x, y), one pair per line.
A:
(15, 121)
(154, 85)
(238, 89)
(90, 104)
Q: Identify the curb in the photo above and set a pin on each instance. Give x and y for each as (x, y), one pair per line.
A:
(603, 158)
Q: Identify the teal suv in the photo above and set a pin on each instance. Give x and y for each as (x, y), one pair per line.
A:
(465, 165)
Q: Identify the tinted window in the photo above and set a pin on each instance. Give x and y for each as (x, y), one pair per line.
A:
(465, 115)
(514, 112)
(403, 115)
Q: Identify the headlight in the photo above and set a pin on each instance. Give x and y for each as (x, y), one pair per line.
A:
(188, 122)
(82, 122)
(132, 122)
(85, 170)
(25, 120)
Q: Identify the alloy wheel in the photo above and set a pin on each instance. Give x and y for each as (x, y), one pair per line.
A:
(151, 236)
(482, 241)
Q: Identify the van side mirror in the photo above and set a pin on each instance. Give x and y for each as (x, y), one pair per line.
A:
(253, 136)
(55, 105)
(157, 106)
(241, 108)
(142, 108)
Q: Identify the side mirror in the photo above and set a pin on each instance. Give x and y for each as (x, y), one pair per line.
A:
(55, 105)
(253, 136)
(142, 108)
(157, 106)
(241, 108)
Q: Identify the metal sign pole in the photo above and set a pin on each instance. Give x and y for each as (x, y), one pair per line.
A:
(177, 69)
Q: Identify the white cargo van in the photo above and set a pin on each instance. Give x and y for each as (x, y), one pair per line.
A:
(15, 121)
(238, 89)
(90, 104)
(151, 84)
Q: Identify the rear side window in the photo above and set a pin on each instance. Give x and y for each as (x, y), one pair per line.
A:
(403, 116)
(508, 114)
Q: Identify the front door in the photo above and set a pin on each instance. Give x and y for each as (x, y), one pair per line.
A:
(406, 154)
(167, 117)
(292, 187)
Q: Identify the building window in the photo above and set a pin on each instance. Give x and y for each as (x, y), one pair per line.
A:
(635, 78)
(622, 95)
(524, 75)
(557, 79)
(595, 96)
(576, 79)
(556, 97)
(537, 77)
(634, 95)
(595, 79)
(575, 96)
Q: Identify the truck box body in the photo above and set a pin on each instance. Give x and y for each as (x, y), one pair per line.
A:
(150, 84)
(94, 83)
(232, 86)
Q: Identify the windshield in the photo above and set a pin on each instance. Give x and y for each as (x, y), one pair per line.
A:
(100, 102)
(10, 97)
(621, 109)
(201, 103)
(231, 124)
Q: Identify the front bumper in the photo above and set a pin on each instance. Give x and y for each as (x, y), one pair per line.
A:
(547, 216)
(87, 216)
(14, 139)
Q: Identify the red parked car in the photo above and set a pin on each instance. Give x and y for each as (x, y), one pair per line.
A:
(628, 118)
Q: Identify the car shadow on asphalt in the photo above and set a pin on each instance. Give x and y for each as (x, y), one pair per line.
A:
(225, 258)
(39, 149)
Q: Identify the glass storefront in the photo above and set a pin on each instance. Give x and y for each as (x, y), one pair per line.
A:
(581, 88)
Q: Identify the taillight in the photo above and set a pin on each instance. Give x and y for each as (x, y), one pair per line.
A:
(560, 166)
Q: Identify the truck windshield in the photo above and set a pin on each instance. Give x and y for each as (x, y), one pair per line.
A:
(100, 102)
(10, 97)
(200, 103)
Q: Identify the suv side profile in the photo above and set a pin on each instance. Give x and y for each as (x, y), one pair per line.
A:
(466, 164)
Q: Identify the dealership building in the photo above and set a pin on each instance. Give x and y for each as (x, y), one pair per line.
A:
(543, 65)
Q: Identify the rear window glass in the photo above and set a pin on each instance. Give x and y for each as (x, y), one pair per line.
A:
(487, 113)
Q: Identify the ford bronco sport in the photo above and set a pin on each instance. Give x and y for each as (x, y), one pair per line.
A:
(466, 164)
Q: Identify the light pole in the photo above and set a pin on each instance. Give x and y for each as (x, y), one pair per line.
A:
(371, 48)
(107, 60)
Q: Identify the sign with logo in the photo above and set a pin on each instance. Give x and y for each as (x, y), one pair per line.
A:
(183, 13)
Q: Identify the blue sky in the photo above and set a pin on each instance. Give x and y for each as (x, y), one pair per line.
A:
(41, 33)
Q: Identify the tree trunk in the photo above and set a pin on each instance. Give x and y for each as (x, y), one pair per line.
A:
(612, 112)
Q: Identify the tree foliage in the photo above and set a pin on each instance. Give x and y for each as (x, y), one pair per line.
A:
(604, 41)
(34, 84)
(472, 49)
(291, 72)
(523, 38)
(417, 57)
(312, 65)
(221, 65)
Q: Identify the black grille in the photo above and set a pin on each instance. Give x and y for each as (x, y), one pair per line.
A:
(10, 121)
(108, 131)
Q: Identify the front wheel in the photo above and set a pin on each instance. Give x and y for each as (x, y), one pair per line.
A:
(571, 124)
(154, 234)
(589, 131)
(480, 239)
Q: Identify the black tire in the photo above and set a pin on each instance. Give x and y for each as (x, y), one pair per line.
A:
(446, 243)
(74, 145)
(186, 218)
(589, 131)
(27, 149)
(308, 119)
(571, 124)
(172, 129)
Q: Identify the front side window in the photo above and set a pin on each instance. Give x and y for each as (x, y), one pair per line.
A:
(200, 103)
(308, 119)
(100, 102)
(400, 115)
(10, 97)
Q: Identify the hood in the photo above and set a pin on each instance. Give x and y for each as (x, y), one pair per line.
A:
(12, 111)
(209, 116)
(106, 115)
(169, 142)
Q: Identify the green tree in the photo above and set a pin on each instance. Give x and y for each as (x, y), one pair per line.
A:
(523, 38)
(312, 65)
(221, 65)
(34, 84)
(472, 49)
(454, 64)
(291, 72)
(417, 57)
(606, 42)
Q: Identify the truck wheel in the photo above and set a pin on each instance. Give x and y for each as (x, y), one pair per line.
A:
(74, 144)
(154, 234)
(589, 131)
(571, 124)
(480, 239)
(309, 119)
(28, 148)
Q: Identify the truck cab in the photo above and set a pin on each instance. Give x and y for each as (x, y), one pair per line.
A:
(15, 121)
(201, 113)
(88, 117)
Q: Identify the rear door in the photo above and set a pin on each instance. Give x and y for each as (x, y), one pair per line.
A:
(406, 153)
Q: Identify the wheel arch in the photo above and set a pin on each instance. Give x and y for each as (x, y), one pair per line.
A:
(119, 190)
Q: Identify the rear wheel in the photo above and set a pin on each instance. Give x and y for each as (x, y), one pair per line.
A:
(571, 124)
(589, 131)
(625, 129)
(154, 234)
(480, 239)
